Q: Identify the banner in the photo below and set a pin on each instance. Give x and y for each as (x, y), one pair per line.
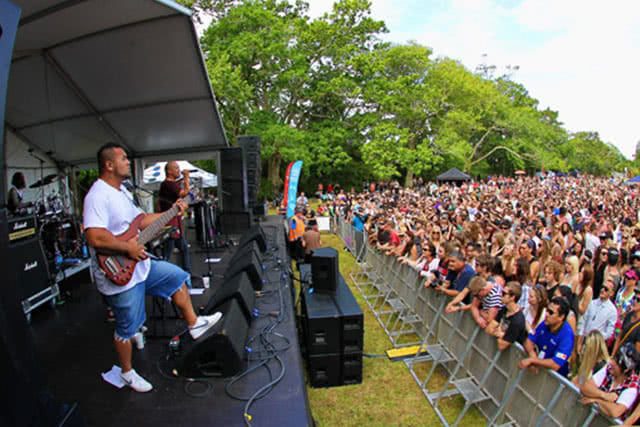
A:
(294, 177)
(286, 185)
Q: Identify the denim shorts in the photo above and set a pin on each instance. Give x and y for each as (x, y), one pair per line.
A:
(163, 281)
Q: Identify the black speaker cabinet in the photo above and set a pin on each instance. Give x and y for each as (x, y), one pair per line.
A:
(235, 222)
(246, 250)
(234, 193)
(324, 370)
(330, 370)
(232, 166)
(249, 143)
(220, 351)
(321, 324)
(324, 269)
(351, 368)
(249, 264)
(233, 180)
(30, 267)
(351, 320)
(256, 234)
(238, 287)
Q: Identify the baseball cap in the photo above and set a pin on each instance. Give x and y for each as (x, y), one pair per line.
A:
(631, 274)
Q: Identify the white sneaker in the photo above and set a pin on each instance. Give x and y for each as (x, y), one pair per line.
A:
(136, 382)
(203, 324)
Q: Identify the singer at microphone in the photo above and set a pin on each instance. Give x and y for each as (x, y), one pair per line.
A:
(175, 186)
(189, 171)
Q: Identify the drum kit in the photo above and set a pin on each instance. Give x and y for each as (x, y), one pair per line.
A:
(58, 229)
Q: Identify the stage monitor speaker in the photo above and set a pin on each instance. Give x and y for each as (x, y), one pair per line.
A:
(220, 351)
(324, 269)
(246, 251)
(249, 264)
(30, 266)
(235, 222)
(256, 234)
(238, 287)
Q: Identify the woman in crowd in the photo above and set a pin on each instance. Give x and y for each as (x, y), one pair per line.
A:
(594, 355)
(535, 313)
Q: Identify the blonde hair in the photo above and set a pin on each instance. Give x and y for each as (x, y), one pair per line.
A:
(574, 262)
(594, 351)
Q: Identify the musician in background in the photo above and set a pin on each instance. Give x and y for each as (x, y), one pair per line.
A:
(108, 212)
(16, 194)
(172, 189)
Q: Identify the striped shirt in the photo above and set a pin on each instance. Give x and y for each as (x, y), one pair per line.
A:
(493, 298)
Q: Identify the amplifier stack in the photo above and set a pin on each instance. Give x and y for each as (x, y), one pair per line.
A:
(333, 333)
(29, 264)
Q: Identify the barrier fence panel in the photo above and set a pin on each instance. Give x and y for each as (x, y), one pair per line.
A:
(473, 366)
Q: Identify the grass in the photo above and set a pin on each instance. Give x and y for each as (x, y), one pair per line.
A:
(388, 395)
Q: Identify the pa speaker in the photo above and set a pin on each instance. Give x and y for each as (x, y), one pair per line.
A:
(220, 351)
(324, 269)
(255, 233)
(324, 370)
(236, 287)
(233, 180)
(249, 264)
(232, 165)
(235, 222)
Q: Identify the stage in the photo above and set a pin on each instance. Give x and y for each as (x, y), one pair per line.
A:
(74, 346)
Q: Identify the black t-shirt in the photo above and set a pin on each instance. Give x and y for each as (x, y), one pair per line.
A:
(513, 326)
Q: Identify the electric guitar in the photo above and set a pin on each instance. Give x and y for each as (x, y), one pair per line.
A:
(118, 267)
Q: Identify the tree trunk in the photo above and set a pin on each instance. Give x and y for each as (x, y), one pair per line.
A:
(274, 172)
(408, 180)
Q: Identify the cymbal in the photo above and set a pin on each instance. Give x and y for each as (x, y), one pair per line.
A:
(44, 181)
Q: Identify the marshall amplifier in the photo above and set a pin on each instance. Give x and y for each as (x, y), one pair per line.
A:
(21, 228)
(30, 267)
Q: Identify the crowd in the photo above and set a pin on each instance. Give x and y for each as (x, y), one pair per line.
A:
(550, 262)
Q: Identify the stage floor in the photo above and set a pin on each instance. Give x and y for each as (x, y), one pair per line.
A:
(74, 346)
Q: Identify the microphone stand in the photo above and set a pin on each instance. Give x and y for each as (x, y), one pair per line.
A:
(30, 151)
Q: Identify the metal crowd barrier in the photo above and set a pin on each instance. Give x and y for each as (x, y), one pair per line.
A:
(454, 345)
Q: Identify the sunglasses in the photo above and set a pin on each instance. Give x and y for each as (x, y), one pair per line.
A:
(550, 312)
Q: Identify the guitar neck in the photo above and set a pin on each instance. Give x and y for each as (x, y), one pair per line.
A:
(152, 230)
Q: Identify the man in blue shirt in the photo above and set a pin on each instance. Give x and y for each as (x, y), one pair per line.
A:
(458, 276)
(553, 339)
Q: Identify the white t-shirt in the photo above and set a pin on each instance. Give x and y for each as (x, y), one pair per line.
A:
(106, 207)
(626, 398)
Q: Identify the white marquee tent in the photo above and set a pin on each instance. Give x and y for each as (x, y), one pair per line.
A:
(129, 71)
(154, 175)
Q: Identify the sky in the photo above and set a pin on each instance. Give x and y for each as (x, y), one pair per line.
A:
(580, 58)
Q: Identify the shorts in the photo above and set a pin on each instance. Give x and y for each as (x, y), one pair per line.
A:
(128, 307)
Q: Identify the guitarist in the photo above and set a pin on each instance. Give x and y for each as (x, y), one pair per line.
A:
(170, 192)
(108, 212)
